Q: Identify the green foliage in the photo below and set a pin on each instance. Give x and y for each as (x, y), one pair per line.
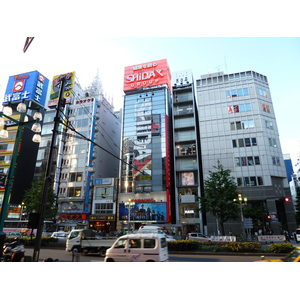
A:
(219, 191)
(281, 248)
(187, 245)
(297, 206)
(242, 247)
(184, 245)
(33, 197)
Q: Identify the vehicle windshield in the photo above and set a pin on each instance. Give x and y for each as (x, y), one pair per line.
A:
(292, 256)
(73, 234)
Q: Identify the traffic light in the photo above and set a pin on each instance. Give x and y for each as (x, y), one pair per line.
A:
(286, 199)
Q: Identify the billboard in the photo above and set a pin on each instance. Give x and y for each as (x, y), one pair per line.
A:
(148, 211)
(29, 86)
(55, 88)
(149, 74)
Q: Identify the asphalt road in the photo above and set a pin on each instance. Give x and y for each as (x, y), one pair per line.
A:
(64, 256)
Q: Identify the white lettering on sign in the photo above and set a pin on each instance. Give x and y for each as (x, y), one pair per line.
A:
(144, 75)
(145, 66)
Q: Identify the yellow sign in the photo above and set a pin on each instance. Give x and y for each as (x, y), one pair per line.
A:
(55, 88)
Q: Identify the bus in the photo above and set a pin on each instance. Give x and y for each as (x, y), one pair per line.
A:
(20, 228)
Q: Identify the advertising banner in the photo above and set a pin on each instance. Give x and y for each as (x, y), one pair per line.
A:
(148, 211)
(149, 74)
(55, 87)
(29, 86)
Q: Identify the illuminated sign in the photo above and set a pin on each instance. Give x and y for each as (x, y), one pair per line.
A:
(149, 74)
(71, 216)
(29, 86)
(55, 88)
(149, 211)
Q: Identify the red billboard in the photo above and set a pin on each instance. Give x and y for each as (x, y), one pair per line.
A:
(145, 75)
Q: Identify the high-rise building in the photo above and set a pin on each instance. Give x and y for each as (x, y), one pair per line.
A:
(187, 153)
(238, 128)
(146, 142)
(87, 159)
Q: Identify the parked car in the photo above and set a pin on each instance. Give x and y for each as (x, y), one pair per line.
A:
(196, 236)
(293, 256)
(155, 229)
(60, 235)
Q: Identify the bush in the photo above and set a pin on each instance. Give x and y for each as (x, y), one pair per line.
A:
(184, 245)
(281, 248)
(242, 247)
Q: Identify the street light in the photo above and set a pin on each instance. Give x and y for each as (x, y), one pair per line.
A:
(129, 204)
(22, 123)
(242, 202)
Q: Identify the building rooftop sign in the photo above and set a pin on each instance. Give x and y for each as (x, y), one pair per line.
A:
(29, 86)
(145, 75)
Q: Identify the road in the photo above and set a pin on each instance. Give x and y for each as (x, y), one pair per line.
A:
(64, 256)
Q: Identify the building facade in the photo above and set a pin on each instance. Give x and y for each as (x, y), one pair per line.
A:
(187, 153)
(146, 142)
(238, 128)
(87, 152)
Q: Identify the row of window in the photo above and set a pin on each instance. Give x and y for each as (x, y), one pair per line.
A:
(247, 161)
(237, 125)
(245, 142)
(239, 108)
(237, 93)
(242, 124)
(73, 177)
(248, 142)
(245, 107)
(250, 181)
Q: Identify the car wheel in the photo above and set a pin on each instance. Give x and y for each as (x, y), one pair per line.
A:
(102, 252)
(109, 260)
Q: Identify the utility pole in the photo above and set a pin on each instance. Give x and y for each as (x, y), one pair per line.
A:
(48, 181)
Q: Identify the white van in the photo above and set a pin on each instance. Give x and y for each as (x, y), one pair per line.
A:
(155, 229)
(144, 247)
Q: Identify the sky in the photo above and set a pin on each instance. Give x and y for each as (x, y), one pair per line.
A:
(278, 58)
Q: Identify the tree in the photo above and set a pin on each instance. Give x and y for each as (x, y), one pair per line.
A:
(33, 197)
(219, 191)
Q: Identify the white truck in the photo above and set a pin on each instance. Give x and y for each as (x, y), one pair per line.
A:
(85, 241)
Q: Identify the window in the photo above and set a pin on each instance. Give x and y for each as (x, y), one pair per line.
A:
(121, 243)
(247, 161)
(103, 208)
(263, 93)
(241, 142)
(149, 243)
(135, 243)
(266, 108)
(269, 124)
(275, 161)
(242, 125)
(247, 142)
(75, 177)
(74, 192)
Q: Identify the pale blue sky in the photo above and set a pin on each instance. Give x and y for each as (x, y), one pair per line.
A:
(277, 58)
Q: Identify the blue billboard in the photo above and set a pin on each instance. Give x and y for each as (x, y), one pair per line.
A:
(144, 211)
(29, 86)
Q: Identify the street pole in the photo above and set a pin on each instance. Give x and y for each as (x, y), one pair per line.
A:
(10, 176)
(42, 210)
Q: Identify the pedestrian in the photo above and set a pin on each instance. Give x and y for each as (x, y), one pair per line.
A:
(17, 257)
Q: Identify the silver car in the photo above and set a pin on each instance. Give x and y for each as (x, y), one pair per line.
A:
(195, 236)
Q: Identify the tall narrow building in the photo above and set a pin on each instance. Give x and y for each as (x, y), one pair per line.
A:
(238, 128)
(146, 140)
(187, 156)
